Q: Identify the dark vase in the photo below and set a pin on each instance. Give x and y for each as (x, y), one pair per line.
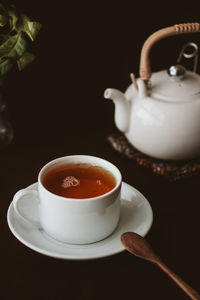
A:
(6, 129)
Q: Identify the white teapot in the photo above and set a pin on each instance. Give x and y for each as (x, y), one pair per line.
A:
(160, 112)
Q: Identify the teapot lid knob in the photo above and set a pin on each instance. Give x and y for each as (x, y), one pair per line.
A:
(176, 72)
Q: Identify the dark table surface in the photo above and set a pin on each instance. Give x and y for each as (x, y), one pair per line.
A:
(57, 108)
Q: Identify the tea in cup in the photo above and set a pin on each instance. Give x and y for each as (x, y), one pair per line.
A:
(78, 199)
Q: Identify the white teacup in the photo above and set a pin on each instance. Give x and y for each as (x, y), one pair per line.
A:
(76, 221)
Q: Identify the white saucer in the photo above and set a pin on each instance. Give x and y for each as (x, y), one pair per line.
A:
(136, 215)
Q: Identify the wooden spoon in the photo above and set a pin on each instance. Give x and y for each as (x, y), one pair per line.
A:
(138, 246)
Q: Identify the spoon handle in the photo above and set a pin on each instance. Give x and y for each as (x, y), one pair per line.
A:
(182, 284)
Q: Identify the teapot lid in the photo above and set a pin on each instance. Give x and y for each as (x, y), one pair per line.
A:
(169, 88)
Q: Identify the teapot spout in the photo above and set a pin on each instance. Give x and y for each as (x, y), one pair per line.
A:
(122, 108)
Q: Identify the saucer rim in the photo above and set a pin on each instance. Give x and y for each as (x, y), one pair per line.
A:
(71, 257)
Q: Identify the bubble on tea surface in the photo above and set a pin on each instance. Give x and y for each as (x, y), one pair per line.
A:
(98, 182)
(70, 181)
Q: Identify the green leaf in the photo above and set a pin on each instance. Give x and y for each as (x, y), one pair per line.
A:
(3, 20)
(21, 23)
(3, 16)
(5, 67)
(29, 27)
(13, 18)
(3, 38)
(13, 47)
(32, 29)
(25, 60)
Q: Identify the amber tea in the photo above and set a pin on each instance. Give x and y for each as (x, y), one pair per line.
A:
(79, 180)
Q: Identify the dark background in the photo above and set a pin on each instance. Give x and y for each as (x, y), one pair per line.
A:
(57, 108)
(82, 49)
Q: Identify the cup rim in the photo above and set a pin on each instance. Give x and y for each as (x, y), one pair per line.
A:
(54, 161)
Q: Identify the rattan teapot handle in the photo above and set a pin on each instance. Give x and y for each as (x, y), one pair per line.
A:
(145, 66)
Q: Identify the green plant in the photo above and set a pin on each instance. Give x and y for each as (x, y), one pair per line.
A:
(15, 29)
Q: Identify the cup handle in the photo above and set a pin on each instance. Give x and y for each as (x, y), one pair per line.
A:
(16, 200)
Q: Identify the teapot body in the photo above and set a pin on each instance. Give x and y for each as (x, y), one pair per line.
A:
(163, 129)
